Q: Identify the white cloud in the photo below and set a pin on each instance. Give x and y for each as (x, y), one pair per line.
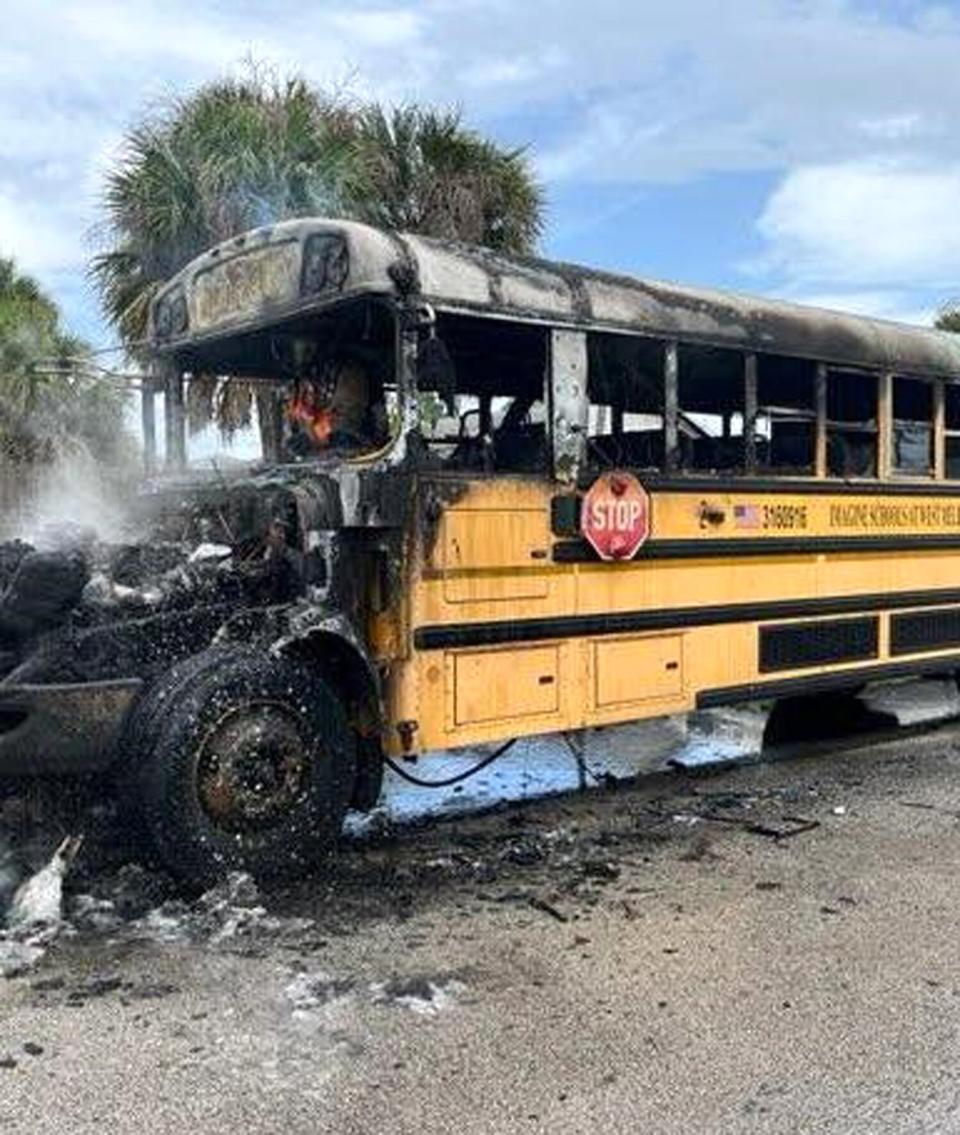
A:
(379, 27)
(684, 91)
(150, 31)
(41, 243)
(857, 111)
(897, 305)
(896, 127)
(494, 70)
(868, 223)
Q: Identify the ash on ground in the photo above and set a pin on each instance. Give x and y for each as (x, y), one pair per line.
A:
(417, 841)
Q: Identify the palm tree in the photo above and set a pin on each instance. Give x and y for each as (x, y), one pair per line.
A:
(28, 321)
(424, 172)
(50, 401)
(236, 154)
(948, 317)
(244, 152)
(28, 328)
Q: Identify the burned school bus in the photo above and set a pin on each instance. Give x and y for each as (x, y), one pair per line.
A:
(495, 497)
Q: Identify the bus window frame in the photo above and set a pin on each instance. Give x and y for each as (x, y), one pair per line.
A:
(490, 416)
(872, 426)
(948, 433)
(790, 407)
(888, 406)
(568, 408)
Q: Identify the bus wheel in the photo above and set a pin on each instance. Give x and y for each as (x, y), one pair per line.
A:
(247, 763)
(368, 783)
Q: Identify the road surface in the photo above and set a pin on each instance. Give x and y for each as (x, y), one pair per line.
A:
(773, 948)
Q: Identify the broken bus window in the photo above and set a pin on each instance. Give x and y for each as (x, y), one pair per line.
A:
(951, 417)
(852, 428)
(498, 420)
(786, 423)
(710, 396)
(912, 439)
(625, 393)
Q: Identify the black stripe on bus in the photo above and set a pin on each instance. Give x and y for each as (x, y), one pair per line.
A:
(674, 618)
(565, 507)
(785, 486)
(580, 551)
(793, 646)
(823, 683)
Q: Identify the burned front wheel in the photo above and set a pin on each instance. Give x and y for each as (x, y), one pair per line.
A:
(243, 762)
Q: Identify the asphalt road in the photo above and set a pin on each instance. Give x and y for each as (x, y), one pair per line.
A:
(769, 949)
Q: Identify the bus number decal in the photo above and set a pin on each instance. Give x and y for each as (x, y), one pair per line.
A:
(784, 516)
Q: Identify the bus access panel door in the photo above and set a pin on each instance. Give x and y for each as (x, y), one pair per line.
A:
(479, 670)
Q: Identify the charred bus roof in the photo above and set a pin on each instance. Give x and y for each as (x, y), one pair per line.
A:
(295, 268)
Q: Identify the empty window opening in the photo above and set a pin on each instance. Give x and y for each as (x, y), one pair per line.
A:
(912, 438)
(851, 424)
(625, 392)
(785, 430)
(951, 421)
(710, 396)
(321, 386)
(488, 413)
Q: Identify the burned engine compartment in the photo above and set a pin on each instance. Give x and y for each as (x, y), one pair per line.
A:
(211, 559)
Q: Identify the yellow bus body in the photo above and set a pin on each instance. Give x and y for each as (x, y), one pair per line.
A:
(764, 576)
(523, 645)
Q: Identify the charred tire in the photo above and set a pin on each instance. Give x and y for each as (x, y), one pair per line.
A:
(245, 762)
(368, 782)
(141, 730)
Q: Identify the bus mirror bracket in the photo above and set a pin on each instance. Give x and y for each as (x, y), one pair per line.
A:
(436, 372)
(435, 369)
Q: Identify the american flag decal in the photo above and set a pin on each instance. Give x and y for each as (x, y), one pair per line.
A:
(746, 516)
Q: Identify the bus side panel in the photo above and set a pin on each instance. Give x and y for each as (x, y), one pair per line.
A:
(701, 625)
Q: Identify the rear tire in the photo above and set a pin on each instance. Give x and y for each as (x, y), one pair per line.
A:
(822, 717)
(240, 761)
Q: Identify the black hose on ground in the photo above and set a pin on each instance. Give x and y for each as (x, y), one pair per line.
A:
(450, 780)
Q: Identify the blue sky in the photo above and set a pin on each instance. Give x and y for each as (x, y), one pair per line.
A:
(803, 148)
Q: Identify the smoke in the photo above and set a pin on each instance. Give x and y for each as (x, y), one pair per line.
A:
(75, 496)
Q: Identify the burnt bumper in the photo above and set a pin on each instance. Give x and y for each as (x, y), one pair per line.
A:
(53, 730)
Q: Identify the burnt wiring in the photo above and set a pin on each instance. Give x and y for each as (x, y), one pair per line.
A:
(449, 780)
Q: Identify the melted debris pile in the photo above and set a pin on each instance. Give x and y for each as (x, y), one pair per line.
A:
(104, 888)
(230, 915)
(560, 861)
(92, 611)
(123, 899)
(38, 865)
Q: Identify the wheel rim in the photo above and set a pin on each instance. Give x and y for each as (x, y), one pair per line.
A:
(252, 767)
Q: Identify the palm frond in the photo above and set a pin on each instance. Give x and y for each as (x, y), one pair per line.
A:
(426, 172)
(233, 409)
(200, 402)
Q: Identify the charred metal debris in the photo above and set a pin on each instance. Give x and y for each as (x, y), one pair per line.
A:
(266, 560)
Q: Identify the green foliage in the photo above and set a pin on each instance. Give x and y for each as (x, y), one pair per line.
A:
(423, 171)
(948, 317)
(50, 405)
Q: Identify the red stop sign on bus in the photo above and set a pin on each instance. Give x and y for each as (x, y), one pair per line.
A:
(615, 516)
